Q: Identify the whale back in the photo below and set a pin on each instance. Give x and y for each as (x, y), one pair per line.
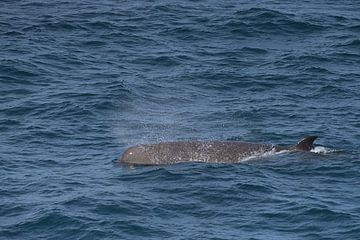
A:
(204, 151)
(192, 151)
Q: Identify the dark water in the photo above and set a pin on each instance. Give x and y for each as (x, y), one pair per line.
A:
(82, 80)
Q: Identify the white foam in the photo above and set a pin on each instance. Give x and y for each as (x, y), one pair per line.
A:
(256, 155)
(322, 150)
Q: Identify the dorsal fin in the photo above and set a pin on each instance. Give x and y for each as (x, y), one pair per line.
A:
(306, 144)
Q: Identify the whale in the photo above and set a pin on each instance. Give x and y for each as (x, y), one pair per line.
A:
(164, 153)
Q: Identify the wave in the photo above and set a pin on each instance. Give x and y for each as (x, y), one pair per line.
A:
(158, 60)
(262, 20)
(15, 72)
(56, 26)
(352, 44)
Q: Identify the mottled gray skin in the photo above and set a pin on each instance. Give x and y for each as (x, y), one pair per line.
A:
(203, 151)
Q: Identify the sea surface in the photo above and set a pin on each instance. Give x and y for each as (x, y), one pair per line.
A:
(80, 81)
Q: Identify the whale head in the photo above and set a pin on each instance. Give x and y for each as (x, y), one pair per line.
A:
(135, 155)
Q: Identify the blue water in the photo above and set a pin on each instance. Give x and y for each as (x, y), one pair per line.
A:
(82, 80)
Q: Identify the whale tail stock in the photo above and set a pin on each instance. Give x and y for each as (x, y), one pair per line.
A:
(306, 144)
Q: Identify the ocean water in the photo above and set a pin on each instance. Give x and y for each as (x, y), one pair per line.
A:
(82, 80)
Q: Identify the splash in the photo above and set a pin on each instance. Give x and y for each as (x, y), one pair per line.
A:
(322, 150)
